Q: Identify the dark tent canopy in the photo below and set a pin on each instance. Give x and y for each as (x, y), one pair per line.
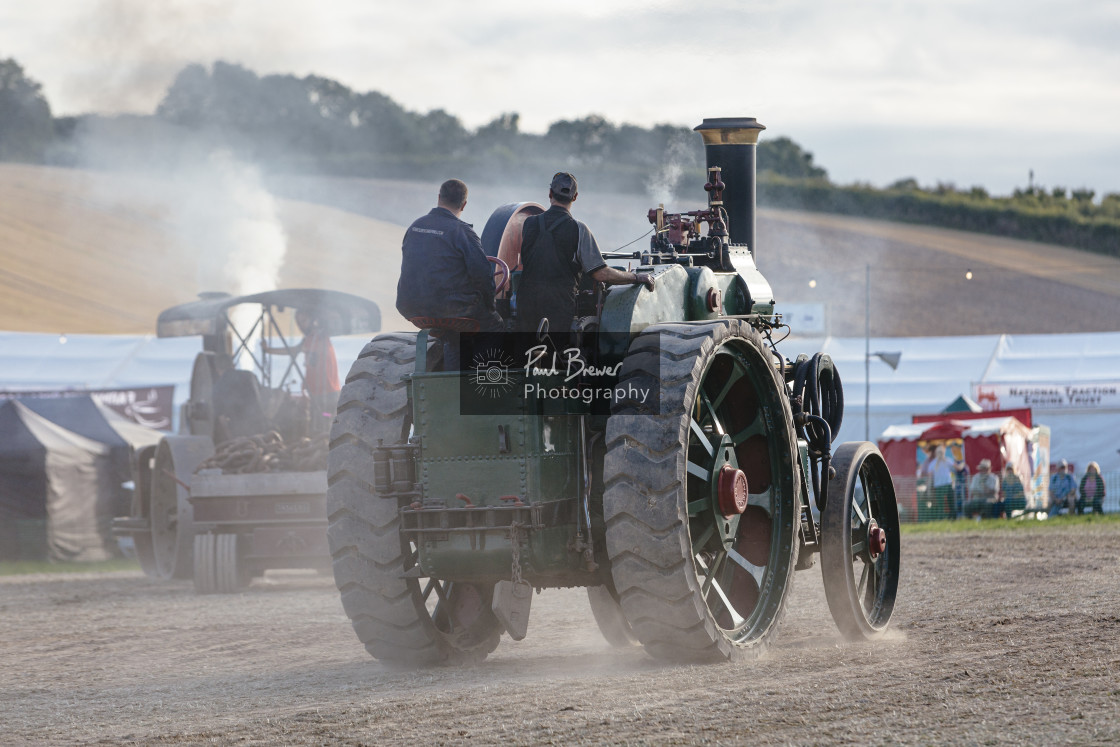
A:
(84, 416)
(62, 462)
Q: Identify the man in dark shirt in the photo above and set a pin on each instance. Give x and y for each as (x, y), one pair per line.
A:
(445, 273)
(556, 252)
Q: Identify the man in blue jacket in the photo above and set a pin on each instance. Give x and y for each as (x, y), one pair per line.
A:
(444, 272)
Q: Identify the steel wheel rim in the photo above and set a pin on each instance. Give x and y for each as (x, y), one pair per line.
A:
(875, 575)
(737, 558)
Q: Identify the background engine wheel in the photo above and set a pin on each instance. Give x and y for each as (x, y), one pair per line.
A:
(170, 513)
(860, 542)
(408, 621)
(701, 500)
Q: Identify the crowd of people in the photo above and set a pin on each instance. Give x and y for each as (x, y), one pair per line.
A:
(952, 489)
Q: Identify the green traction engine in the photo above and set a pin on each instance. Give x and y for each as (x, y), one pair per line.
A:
(663, 454)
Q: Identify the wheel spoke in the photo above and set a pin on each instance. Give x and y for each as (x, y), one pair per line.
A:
(695, 508)
(432, 583)
(697, 471)
(871, 592)
(862, 580)
(440, 612)
(736, 618)
(710, 574)
(737, 372)
(703, 539)
(756, 571)
(757, 427)
(712, 414)
(859, 513)
(702, 437)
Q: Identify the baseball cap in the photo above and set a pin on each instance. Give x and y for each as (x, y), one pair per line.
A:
(564, 184)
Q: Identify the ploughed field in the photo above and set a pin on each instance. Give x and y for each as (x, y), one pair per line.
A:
(999, 637)
(93, 252)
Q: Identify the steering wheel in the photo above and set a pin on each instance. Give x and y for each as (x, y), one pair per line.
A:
(503, 268)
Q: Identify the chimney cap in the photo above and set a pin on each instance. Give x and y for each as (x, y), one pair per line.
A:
(729, 130)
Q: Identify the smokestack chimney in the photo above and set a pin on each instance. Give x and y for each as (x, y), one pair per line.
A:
(730, 143)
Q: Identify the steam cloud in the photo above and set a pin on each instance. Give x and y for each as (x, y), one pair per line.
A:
(662, 184)
(230, 217)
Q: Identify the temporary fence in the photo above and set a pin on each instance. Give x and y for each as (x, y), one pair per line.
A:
(918, 503)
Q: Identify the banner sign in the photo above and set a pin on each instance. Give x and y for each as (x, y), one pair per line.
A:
(1091, 395)
(803, 318)
(150, 406)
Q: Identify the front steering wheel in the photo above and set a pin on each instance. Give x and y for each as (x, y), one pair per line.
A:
(503, 268)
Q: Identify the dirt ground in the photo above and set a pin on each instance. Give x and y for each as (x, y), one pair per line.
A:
(1006, 637)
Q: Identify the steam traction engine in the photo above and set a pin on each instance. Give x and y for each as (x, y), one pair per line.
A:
(242, 487)
(684, 505)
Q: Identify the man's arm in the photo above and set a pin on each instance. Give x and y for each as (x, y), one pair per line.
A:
(479, 269)
(591, 259)
(611, 276)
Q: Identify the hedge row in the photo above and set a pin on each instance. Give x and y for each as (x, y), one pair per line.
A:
(1057, 226)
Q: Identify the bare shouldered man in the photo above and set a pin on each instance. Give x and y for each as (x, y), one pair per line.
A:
(556, 252)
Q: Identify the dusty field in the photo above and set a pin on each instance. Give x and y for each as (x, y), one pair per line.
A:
(97, 252)
(999, 638)
(88, 252)
(917, 272)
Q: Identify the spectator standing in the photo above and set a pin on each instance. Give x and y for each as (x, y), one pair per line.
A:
(960, 486)
(1063, 491)
(1091, 490)
(985, 492)
(938, 471)
(1014, 497)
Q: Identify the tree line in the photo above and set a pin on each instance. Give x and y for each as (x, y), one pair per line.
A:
(288, 124)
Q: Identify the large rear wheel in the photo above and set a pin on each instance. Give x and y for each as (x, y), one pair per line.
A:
(860, 542)
(414, 620)
(701, 500)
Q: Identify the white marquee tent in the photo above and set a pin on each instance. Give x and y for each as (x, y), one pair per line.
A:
(1072, 382)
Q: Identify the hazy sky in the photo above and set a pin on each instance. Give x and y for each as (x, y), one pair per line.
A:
(945, 90)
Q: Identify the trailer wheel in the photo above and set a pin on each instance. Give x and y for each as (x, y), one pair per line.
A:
(860, 542)
(701, 501)
(204, 570)
(230, 571)
(414, 621)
